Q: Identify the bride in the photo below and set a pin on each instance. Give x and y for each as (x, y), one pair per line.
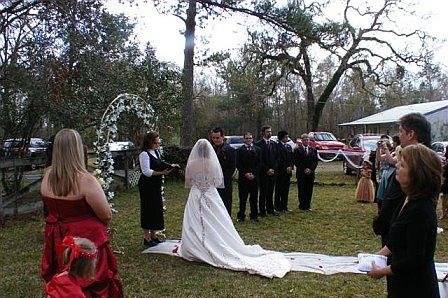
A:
(208, 234)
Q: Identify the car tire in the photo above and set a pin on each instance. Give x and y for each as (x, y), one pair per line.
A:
(345, 169)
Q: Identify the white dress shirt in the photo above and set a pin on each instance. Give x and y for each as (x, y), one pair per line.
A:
(145, 162)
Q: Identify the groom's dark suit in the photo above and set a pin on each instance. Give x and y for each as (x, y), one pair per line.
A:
(226, 157)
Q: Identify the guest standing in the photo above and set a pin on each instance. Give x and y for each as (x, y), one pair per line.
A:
(412, 236)
(248, 159)
(268, 171)
(227, 160)
(77, 206)
(413, 128)
(284, 172)
(365, 191)
(305, 160)
(150, 187)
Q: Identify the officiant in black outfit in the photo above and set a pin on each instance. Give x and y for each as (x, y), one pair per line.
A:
(227, 160)
(248, 159)
(284, 172)
(268, 171)
(305, 160)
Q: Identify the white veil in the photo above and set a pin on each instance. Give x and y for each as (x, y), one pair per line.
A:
(203, 168)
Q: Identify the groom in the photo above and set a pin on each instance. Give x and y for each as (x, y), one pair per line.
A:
(226, 157)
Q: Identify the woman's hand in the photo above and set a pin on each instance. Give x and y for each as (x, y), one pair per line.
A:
(376, 272)
(166, 171)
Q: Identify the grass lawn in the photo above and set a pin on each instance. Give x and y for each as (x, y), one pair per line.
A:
(337, 226)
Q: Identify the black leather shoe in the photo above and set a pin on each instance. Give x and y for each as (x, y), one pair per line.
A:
(149, 243)
(274, 213)
(157, 240)
(254, 220)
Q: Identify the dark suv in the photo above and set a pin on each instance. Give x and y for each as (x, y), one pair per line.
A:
(358, 147)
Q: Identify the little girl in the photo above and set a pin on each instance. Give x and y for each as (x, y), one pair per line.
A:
(80, 261)
(365, 192)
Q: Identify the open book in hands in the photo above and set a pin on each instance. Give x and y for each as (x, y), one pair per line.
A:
(365, 261)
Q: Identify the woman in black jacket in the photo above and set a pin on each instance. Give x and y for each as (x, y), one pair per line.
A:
(412, 235)
(150, 187)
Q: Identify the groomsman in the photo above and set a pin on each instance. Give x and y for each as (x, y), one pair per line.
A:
(305, 160)
(226, 157)
(284, 172)
(268, 172)
(248, 159)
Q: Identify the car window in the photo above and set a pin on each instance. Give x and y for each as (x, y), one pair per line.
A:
(324, 136)
(37, 143)
(235, 140)
(353, 142)
(370, 144)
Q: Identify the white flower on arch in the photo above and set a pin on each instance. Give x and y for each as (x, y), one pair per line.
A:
(107, 131)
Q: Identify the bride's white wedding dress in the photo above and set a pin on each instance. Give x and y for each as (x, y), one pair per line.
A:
(208, 233)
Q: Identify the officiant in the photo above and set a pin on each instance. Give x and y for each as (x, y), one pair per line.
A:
(226, 157)
(153, 168)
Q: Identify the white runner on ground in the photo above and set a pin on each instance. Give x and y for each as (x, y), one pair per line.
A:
(310, 262)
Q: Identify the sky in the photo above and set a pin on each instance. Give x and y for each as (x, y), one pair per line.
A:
(164, 31)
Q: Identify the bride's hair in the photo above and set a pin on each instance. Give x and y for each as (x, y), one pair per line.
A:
(203, 150)
(203, 166)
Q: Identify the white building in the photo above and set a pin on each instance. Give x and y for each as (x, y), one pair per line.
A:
(386, 121)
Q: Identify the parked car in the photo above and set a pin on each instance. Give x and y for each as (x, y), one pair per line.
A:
(325, 141)
(358, 147)
(440, 148)
(117, 149)
(18, 148)
(235, 141)
(290, 142)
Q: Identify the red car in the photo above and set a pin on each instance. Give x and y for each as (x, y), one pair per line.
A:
(325, 141)
(360, 145)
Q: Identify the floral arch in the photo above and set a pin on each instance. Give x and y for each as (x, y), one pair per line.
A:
(107, 131)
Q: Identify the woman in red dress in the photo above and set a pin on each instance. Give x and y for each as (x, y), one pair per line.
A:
(76, 206)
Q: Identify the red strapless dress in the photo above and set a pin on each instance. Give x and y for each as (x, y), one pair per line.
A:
(76, 218)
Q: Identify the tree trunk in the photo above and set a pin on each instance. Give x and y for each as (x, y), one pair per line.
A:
(186, 136)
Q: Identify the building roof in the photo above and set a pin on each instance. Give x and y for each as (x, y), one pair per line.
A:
(394, 114)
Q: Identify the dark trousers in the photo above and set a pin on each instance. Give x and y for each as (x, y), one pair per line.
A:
(305, 190)
(266, 201)
(248, 189)
(226, 194)
(282, 191)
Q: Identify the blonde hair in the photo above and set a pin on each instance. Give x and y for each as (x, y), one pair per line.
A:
(67, 162)
(82, 266)
(425, 171)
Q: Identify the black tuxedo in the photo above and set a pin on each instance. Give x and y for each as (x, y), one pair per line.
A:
(267, 183)
(284, 160)
(226, 157)
(305, 182)
(248, 160)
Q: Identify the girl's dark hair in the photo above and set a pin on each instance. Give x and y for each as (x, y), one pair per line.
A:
(149, 140)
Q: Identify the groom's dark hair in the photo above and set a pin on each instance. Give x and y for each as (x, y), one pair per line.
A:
(218, 129)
